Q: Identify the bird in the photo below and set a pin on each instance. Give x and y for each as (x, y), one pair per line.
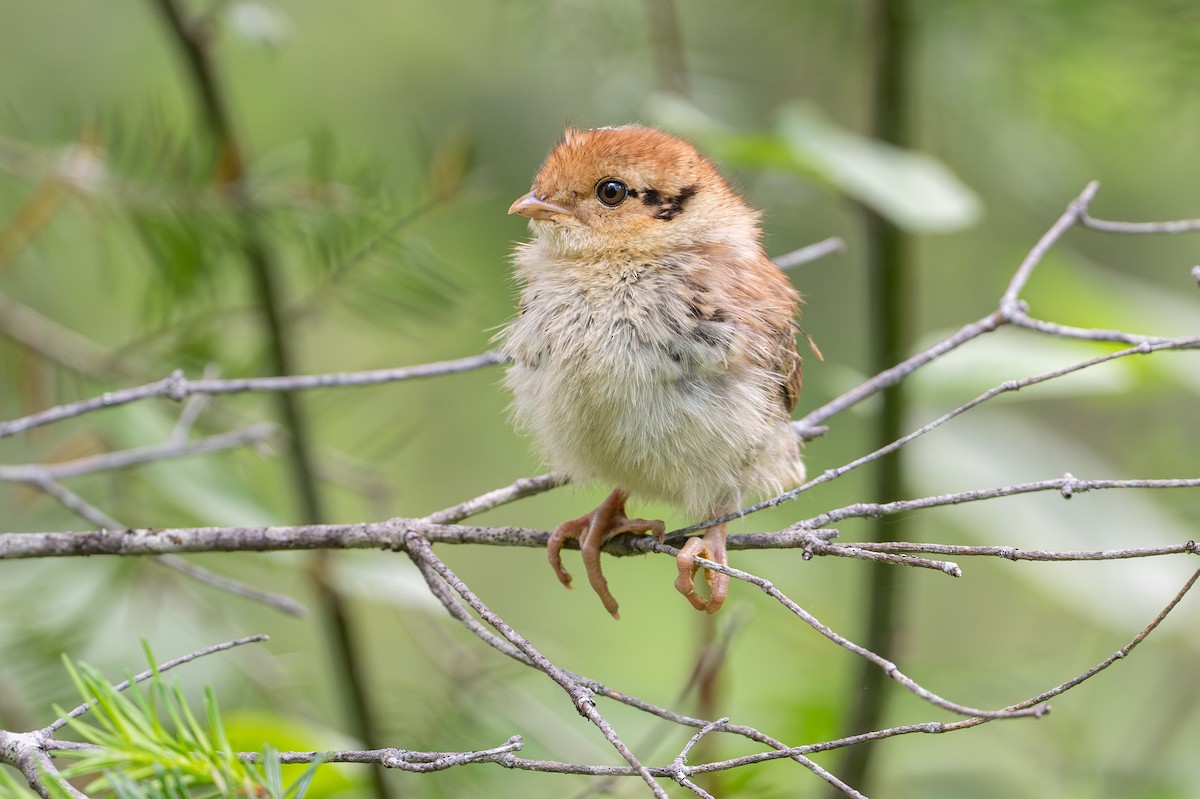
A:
(654, 344)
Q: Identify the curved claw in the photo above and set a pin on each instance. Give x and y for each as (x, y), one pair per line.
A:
(593, 531)
(710, 546)
(573, 528)
(590, 548)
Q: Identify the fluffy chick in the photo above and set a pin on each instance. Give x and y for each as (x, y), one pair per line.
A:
(654, 349)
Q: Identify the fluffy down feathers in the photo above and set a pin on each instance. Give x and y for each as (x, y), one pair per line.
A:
(654, 349)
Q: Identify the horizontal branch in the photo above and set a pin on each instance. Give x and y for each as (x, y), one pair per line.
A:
(402, 759)
(124, 459)
(808, 535)
(178, 387)
(1068, 485)
(1107, 226)
(1013, 553)
(1008, 386)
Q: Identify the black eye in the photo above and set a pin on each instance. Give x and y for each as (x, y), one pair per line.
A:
(611, 192)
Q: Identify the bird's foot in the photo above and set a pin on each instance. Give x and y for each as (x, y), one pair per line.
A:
(710, 546)
(593, 530)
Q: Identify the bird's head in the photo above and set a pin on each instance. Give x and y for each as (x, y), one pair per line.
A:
(632, 191)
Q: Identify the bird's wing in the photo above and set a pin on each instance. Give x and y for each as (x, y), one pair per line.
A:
(773, 305)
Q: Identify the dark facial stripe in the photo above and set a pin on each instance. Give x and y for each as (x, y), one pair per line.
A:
(651, 197)
(671, 206)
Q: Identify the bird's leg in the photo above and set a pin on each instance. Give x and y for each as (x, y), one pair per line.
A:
(710, 546)
(593, 530)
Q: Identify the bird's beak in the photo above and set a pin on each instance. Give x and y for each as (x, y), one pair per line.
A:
(531, 206)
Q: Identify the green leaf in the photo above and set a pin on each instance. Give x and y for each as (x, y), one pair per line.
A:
(912, 189)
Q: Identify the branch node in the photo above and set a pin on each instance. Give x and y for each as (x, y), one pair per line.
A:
(1069, 485)
(177, 386)
(584, 699)
(1079, 206)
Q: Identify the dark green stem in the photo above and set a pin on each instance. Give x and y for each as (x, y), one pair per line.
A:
(890, 308)
(667, 43)
(264, 272)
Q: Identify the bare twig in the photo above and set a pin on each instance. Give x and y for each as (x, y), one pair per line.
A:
(390, 534)
(281, 602)
(1068, 485)
(166, 666)
(178, 387)
(889, 668)
(888, 377)
(43, 477)
(1106, 226)
(1144, 348)
(1009, 301)
(526, 486)
(452, 604)
(124, 459)
(502, 754)
(1013, 553)
(581, 697)
(54, 341)
(812, 252)
(680, 764)
(1120, 654)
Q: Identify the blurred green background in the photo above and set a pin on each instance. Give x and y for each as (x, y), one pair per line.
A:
(385, 142)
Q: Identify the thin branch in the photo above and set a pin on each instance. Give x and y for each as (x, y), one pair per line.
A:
(815, 418)
(1106, 226)
(502, 755)
(453, 605)
(680, 764)
(178, 387)
(1019, 318)
(1120, 654)
(191, 410)
(1010, 301)
(390, 534)
(810, 253)
(1145, 348)
(1015, 554)
(124, 459)
(1068, 485)
(55, 341)
(145, 675)
(889, 668)
(280, 602)
(1011, 309)
(73, 502)
(403, 759)
(419, 550)
(42, 478)
(524, 487)
(678, 770)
